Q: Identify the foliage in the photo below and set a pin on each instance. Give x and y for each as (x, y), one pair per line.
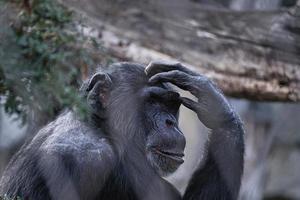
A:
(40, 66)
(7, 198)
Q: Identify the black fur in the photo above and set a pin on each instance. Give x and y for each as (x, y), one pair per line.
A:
(128, 142)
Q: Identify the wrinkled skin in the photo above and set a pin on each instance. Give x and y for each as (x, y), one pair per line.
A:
(130, 140)
(212, 108)
(220, 176)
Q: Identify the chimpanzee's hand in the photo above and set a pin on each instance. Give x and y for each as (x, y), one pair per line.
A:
(212, 107)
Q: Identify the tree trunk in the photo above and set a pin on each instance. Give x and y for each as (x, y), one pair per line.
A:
(252, 55)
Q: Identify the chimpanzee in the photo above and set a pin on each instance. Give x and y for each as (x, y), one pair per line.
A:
(130, 140)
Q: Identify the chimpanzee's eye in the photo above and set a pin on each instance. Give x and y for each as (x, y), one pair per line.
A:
(169, 123)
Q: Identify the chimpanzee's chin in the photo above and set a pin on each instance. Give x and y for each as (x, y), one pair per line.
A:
(163, 165)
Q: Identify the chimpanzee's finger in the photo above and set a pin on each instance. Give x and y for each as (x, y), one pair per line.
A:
(200, 109)
(193, 105)
(178, 78)
(156, 67)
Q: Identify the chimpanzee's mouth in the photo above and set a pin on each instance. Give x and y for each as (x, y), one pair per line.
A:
(175, 156)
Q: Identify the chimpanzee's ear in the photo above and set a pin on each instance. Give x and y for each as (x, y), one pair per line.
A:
(97, 90)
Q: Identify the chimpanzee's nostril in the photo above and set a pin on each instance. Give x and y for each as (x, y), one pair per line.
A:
(169, 123)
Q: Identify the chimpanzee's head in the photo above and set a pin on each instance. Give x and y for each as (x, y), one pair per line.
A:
(131, 109)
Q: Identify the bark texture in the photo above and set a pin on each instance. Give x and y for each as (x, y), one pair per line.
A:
(252, 55)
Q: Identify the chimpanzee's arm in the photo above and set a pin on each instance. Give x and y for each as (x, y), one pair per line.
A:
(220, 176)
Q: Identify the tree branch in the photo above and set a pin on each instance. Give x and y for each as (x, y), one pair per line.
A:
(252, 55)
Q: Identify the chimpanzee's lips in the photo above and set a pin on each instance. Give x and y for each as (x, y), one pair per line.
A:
(175, 156)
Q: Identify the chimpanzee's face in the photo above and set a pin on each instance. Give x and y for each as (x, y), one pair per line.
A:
(165, 143)
(133, 105)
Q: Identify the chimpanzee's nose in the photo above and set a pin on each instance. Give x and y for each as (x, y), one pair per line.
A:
(180, 141)
(176, 140)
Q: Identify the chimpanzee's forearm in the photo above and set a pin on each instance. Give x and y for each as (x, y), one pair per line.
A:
(220, 176)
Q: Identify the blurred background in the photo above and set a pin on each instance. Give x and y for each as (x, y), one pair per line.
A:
(250, 48)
